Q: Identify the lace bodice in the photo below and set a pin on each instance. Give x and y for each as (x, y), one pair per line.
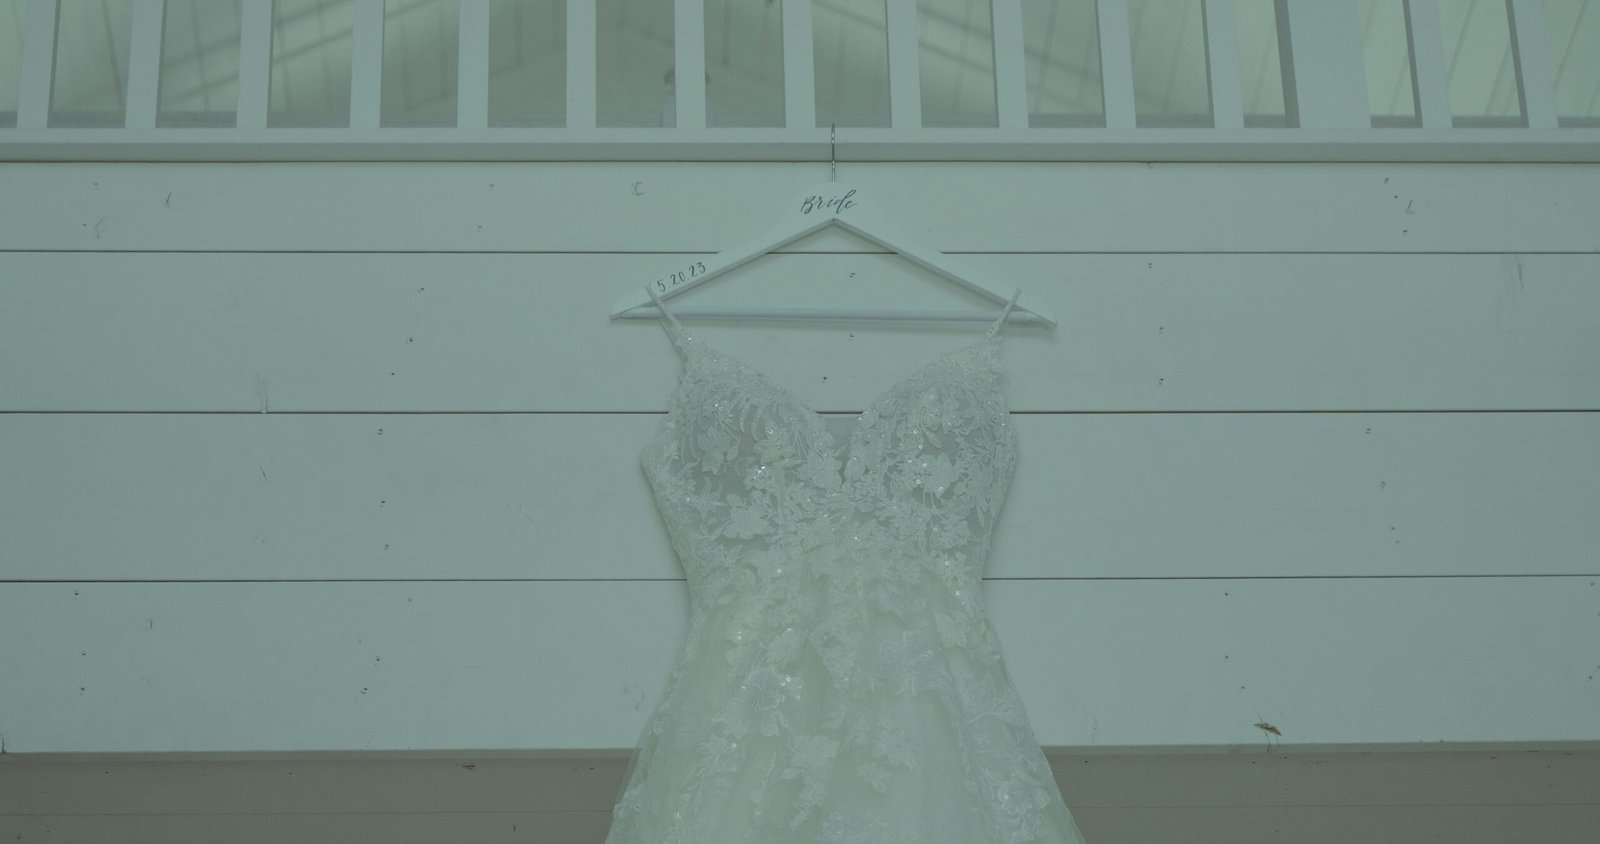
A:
(833, 569)
(743, 471)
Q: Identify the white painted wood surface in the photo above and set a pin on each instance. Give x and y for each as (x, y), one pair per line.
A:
(1118, 664)
(610, 144)
(290, 496)
(1339, 453)
(1078, 210)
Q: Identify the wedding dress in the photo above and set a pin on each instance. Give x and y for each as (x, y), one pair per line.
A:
(840, 682)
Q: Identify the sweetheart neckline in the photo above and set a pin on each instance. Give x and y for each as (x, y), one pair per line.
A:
(820, 421)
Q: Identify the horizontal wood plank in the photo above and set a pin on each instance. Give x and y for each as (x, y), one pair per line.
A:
(357, 496)
(686, 207)
(344, 333)
(137, 667)
(1121, 143)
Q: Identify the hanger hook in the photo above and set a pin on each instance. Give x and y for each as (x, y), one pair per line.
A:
(833, 162)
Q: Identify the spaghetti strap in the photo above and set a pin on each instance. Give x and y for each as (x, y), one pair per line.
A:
(674, 329)
(995, 327)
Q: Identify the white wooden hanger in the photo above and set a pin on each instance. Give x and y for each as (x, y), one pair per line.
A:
(829, 204)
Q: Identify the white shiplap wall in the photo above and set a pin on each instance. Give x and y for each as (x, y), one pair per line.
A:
(344, 456)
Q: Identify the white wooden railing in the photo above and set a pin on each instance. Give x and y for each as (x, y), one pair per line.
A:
(1319, 40)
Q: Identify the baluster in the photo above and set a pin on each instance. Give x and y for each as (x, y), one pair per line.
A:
(472, 65)
(905, 86)
(1530, 50)
(1428, 77)
(1222, 59)
(1010, 74)
(580, 65)
(144, 64)
(1116, 63)
(255, 63)
(38, 64)
(799, 74)
(366, 64)
(689, 62)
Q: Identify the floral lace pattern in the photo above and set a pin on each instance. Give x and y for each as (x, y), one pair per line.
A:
(840, 682)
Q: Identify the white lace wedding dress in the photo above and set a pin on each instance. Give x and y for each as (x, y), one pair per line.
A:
(840, 682)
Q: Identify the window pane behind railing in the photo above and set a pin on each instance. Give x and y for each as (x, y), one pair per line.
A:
(1260, 63)
(955, 60)
(744, 63)
(1477, 48)
(311, 49)
(420, 59)
(90, 82)
(1061, 61)
(851, 47)
(1573, 28)
(1169, 62)
(527, 63)
(1386, 50)
(199, 63)
(10, 59)
(634, 67)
